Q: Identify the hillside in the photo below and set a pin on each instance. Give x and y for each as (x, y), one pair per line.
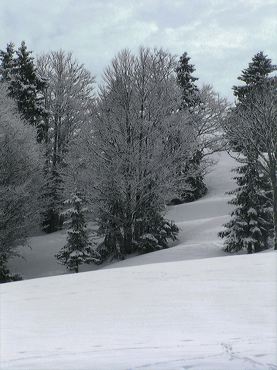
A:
(199, 223)
(187, 307)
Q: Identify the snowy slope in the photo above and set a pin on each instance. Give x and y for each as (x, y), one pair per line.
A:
(189, 312)
(199, 223)
(216, 313)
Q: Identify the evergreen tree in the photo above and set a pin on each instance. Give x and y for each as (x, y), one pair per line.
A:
(186, 81)
(78, 249)
(253, 127)
(7, 63)
(157, 233)
(27, 89)
(194, 187)
(25, 86)
(251, 220)
(254, 75)
(258, 69)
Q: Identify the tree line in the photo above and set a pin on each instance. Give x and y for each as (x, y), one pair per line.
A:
(120, 155)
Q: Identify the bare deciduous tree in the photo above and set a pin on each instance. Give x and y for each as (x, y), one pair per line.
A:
(20, 178)
(128, 154)
(206, 120)
(67, 97)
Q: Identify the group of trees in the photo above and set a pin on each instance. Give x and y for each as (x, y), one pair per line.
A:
(20, 180)
(136, 163)
(121, 155)
(67, 97)
(138, 151)
(251, 129)
(49, 97)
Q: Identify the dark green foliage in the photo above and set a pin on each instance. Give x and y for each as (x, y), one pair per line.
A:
(149, 233)
(111, 224)
(5, 275)
(78, 249)
(7, 67)
(259, 68)
(253, 77)
(103, 252)
(196, 188)
(25, 86)
(52, 198)
(251, 221)
(186, 81)
(157, 234)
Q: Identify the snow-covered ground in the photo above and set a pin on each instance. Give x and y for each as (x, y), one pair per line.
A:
(191, 311)
(199, 223)
(216, 313)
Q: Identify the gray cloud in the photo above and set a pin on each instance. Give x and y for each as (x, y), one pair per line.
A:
(221, 36)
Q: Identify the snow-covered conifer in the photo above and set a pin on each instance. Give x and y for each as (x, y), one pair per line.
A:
(25, 86)
(251, 220)
(258, 69)
(194, 186)
(252, 125)
(186, 81)
(251, 130)
(78, 249)
(7, 67)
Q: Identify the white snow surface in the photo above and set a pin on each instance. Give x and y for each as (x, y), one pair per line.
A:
(198, 309)
(199, 223)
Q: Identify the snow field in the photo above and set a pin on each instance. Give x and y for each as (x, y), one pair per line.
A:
(169, 310)
(217, 313)
(199, 223)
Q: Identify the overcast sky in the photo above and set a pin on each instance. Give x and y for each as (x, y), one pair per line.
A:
(221, 36)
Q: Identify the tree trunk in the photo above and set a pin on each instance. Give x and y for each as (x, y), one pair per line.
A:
(274, 198)
(275, 215)
(128, 237)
